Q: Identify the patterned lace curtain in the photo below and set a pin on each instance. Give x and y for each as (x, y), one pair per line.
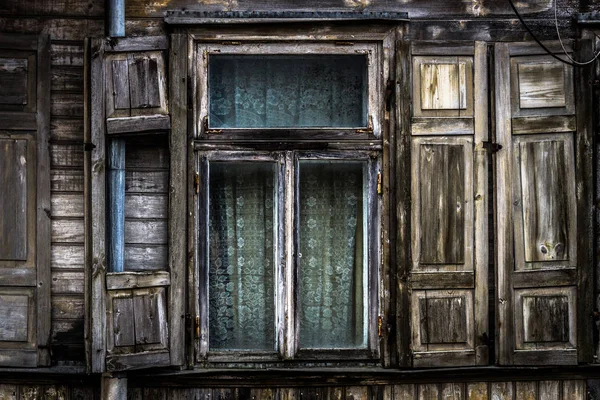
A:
(332, 248)
(241, 256)
(269, 91)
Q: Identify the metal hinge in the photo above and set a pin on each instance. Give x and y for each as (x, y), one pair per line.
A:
(379, 184)
(380, 326)
(197, 182)
(197, 329)
(492, 147)
(205, 126)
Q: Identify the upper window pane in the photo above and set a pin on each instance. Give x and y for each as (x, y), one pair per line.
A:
(283, 91)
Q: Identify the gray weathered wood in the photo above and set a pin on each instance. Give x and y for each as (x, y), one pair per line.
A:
(177, 239)
(140, 123)
(134, 280)
(123, 328)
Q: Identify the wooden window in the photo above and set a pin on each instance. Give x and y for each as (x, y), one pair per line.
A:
(24, 201)
(286, 228)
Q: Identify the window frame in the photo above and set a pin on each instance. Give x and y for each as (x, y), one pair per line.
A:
(201, 126)
(286, 346)
(371, 143)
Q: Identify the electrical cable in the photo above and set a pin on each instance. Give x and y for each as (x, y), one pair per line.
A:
(563, 46)
(573, 62)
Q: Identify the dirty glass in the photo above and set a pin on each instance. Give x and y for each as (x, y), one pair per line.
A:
(332, 254)
(242, 214)
(283, 91)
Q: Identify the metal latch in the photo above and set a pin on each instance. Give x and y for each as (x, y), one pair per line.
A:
(492, 147)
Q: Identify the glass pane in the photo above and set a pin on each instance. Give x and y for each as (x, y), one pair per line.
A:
(280, 91)
(332, 258)
(242, 214)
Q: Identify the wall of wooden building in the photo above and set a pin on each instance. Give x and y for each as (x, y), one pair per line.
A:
(68, 22)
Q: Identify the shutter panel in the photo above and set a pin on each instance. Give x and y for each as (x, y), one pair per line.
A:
(137, 306)
(24, 201)
(541, 249)
(448, 273)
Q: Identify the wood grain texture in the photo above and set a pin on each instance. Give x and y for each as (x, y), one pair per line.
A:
(13, 203)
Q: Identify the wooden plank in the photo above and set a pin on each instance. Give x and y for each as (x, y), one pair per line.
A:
(146, 258)
(66, 129)
(18, 121)
(97, 189)
(477, 391)
(147, 157)
(14, 205)
(501, 390)
(546, 357)
(67, 205)
(146, 206)
(120, 84)
(585, 204)
(67, 54)
(67, 307)
(503, 202)
(66, 180)
(544, 124)
(444, 48)
(13, 81)
(134, 280)
(62, 155)
(549, 390)
(428, 391)
(442, 126)
(140, 123)
(542, 85)
(145, 232)
(67, 231)
(526, 390)
(43, 203)
(404, 392)
(146, 181)
(537, 278)
(178, 215)
(66, 282)
(67, 79)
(445, 320)
(67, 256)
(124, 334)
(357, 392)
(574, 390)
(150, 317)
(443, 280)
(15, 312)
(452, 391)
(65, 104)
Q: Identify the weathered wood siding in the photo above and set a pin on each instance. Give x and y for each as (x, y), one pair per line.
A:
(522, 390)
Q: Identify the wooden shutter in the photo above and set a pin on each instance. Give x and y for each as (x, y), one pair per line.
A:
(137, 315)
(24, 201)
(543, 208)
(447, 278)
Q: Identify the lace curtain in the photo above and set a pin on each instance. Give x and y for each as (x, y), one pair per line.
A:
(278, 91)
(331, 252)
(332, 259)
(241, 255)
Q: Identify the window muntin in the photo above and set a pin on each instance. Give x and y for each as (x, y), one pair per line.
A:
(241, 224)
(210, 59)
(285, 91)
(332, 259)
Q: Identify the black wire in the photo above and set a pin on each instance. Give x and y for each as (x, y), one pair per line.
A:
(537, 40)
